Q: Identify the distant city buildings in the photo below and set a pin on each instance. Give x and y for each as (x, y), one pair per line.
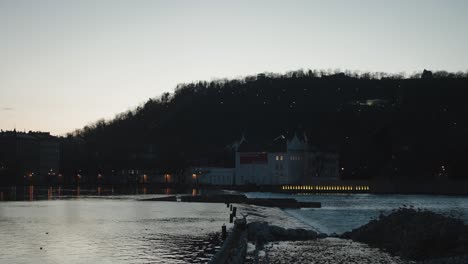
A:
(35, 158)
(28, 157)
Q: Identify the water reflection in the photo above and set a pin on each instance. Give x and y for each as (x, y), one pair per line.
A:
(33, 193)
(109, 231)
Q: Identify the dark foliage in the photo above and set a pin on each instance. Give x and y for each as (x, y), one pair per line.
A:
(382, 125)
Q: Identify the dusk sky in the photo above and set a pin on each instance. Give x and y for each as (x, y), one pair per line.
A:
(65, 64)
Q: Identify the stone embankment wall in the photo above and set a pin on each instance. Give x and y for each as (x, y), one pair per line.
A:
(234, 248)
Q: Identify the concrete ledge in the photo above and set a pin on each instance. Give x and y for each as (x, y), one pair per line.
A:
(160, 199)
(267, 202)
(234, 248)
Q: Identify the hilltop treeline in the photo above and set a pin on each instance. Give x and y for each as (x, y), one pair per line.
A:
(382, 125)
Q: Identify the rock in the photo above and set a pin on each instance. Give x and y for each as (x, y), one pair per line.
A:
(322, 235)
(416, 235)
(278, 232)
(261, 232)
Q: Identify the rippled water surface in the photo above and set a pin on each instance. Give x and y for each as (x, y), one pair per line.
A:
(123, 230)
(108, 231)
(343, 212)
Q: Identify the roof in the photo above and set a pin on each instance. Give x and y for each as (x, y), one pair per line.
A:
(278, 144)
(296, 144)
(282, 144)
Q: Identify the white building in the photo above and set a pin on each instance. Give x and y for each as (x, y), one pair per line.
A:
(283, 162)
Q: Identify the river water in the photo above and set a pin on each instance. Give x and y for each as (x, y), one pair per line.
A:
(108, 231)
(344, 212)
(120, 229)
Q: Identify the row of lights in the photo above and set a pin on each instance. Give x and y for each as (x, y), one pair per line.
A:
(325, 188)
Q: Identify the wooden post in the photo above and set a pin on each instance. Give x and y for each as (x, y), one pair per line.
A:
(224, 232)
(13, 193)
(231, 217)
(234, 210)
(227, 205)
(31, 192)
(230, 208)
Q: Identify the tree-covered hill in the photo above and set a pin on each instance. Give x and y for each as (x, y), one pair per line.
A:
(382, 125)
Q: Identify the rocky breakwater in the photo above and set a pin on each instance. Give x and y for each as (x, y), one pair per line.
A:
(416, 235)
(261, 233)
(234, 248)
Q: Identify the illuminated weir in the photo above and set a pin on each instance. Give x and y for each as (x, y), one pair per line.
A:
(327, 188)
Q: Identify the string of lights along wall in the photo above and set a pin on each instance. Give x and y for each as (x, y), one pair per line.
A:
(322, 188)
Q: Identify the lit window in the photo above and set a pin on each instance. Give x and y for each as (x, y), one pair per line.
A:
(281, 157)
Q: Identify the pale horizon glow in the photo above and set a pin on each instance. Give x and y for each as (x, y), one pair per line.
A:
(65, 64)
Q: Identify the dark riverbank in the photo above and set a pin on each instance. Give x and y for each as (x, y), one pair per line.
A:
(415, 235)
(276, 237)
(404, 236)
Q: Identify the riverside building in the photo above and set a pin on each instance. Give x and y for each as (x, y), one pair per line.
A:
(284, 161)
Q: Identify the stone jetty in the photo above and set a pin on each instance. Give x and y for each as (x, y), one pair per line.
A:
(238, 199)
(416, 235)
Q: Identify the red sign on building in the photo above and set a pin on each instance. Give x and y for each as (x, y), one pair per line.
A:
(254, 158)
